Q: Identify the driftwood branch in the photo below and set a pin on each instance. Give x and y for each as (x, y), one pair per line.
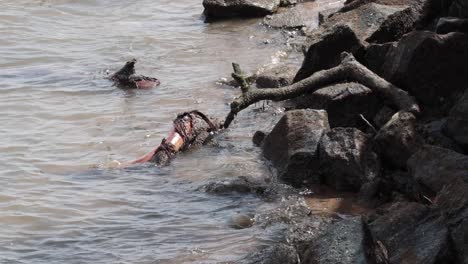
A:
(349, 70)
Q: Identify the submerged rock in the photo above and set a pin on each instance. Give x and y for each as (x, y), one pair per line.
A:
(324, 51)
(346, 159)
(240, 184)
(216, 9)
(344, 103)
(292, 145)
(397, 140)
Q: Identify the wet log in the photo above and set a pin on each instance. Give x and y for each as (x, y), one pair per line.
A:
(348, 70)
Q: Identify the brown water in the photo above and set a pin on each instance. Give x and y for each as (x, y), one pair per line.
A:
(63, 125)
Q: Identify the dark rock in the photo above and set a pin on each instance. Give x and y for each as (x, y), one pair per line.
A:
(433, 133)
(383, 116)
(459, 8)
(346, 159)
(344, 102)
(457, 121)
(342, 32)
(449, 24)
(292, 145)
(433, 167)
(293, 18)
(452, 200)
(344, 242)
(258, 138)
(430, 66)
(397, 140)
(216, 9)
(410, 233)
(276, 77)
(240, 184)
(399, 23)
(374, 56)
(324, 52)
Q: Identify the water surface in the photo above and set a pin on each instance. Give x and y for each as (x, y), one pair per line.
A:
(63, 125)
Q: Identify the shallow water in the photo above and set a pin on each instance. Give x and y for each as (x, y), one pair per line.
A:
(63, 125)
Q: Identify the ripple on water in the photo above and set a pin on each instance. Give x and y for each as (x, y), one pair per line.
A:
(61, 119)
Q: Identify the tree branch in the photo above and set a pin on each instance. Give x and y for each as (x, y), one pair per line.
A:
(348, 70)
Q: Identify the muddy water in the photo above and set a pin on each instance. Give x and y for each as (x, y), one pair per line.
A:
(63, 125)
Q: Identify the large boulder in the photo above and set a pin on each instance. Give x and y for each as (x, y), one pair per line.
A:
(433, 168)
(324, 52)
(342, 32)
(457, 121)
(343, 242)
(430, 66)
(397, 140)
(347, 160)
(449, 24)
(292, 145)
(412, 233)
(344, 103)
(216, 9)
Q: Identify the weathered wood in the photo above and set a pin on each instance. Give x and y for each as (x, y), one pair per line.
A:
(349, 70)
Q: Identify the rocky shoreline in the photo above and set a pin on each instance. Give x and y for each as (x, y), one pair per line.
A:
(410, 168)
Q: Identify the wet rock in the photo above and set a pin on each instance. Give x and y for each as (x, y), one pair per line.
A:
(457, 122)
(397, 140)
(241, 221)
(344, 102)
(449, 24)
(216, 9)
(324, 52)
(292, 145)
(412, 233)
(276, 77)
(344, 242)
(434, 167)
(346, 159)
(430, 66)
(242, 184)
(293, 18)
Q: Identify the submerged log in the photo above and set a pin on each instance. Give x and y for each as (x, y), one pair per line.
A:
(190, 129)
(348, 70)
(126, 78)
